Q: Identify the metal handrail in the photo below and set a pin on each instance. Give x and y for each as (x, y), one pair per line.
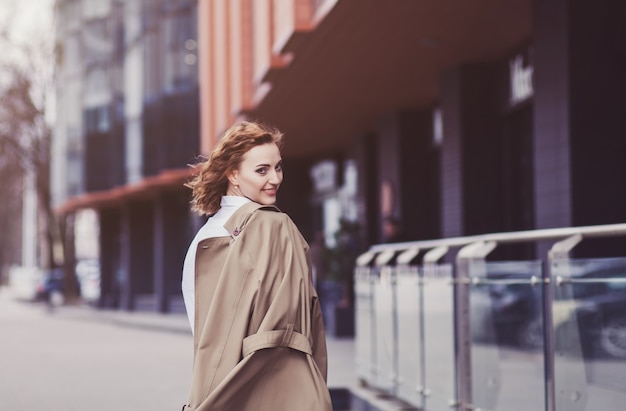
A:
(607, 230)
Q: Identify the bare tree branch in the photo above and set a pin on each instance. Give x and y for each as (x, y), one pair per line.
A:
(26, 81)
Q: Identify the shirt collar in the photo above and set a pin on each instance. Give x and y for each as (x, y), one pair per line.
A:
(233, 201)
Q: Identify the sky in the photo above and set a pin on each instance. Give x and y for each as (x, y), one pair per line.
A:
(27, 16)
(24, 21)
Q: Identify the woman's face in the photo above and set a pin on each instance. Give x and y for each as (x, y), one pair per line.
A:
(259, 175)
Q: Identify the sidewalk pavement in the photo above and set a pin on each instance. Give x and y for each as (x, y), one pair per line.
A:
(346, 391)
(341, 373)
(341, 355)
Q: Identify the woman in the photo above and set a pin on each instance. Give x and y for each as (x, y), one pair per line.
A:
(259, 340)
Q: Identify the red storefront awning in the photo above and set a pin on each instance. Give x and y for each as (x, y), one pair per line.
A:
(146, 188)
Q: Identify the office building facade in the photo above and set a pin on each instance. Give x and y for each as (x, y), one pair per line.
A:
(447, 119)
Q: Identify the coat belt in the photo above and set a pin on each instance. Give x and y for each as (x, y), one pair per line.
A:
(277, 338)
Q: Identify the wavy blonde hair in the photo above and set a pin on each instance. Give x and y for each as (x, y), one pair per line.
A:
(211, 182)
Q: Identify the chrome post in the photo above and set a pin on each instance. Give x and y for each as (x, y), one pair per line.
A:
(470, 253)
(381, 262)
(429, 264)
(403, 262)
(363, 262)
(559, 252)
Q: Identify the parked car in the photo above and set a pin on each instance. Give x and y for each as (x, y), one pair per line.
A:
(601, 313)
(51, 283)
(516, 310)
(590, 304)
(50, 287)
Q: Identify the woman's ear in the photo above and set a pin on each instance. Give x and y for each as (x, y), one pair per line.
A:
(232, 178)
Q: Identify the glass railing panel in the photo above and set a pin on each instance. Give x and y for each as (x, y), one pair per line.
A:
(589, 323)
(385, 341)
(439, 369)
(364, 330)
(410, 344)
(506, 321)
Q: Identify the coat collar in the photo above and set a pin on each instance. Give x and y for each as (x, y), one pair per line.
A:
(236, 223)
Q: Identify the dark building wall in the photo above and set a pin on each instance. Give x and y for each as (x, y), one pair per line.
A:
(598, 119)
(104, 157)
(517, 172)
(580, 122)
(598, 111)
(421, 176)
(482, 191)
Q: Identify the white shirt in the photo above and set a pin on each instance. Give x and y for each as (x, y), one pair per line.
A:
(214, 227)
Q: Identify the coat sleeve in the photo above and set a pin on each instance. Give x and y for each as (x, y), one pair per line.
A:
(285, 294)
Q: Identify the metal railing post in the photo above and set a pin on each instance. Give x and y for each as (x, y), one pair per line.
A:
(468, 254)
(382, 261)
(403, 261)
(429, 265)
(559, 252)
(363, 262)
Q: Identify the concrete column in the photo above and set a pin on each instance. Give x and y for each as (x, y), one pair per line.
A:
(160, 289)
(109, 258)
(127, 289)
(366, 154)
(70, 282)
(136, 275)
(551, 80)
(388, 183)
(451, 155)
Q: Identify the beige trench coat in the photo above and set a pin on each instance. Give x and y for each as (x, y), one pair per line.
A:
(259, 340)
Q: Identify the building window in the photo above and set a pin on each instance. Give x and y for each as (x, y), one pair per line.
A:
(180, 36)
(97, 120)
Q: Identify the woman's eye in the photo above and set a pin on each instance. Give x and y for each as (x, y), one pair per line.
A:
(262, 171)
(279, 168)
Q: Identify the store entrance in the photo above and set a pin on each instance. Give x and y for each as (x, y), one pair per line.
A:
(517, 177)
